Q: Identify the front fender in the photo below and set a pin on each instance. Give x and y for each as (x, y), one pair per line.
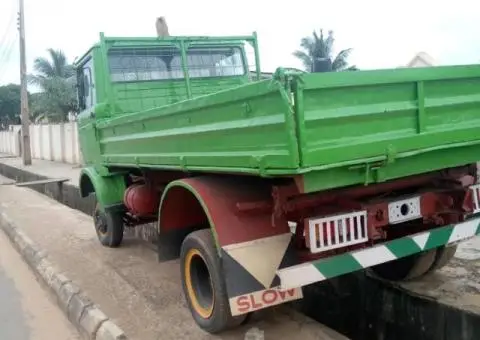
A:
(109, 190)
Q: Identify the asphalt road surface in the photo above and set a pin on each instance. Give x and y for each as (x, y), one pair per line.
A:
(26, 310)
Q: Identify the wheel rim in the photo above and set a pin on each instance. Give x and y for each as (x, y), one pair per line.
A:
(199, 283)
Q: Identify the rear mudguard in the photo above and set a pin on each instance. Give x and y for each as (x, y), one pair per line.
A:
(250, 247)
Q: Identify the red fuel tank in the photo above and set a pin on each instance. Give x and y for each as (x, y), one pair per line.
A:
(141, 199)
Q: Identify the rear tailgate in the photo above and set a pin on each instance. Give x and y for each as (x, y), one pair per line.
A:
(357, 117)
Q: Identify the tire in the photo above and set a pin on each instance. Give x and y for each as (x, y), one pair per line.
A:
(406, 268)
(443, 257)
(109, 227)
(203, 283)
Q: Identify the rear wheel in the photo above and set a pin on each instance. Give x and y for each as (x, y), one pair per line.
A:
(443, 257)
(109, 226)
(203, 283)
(406, 268)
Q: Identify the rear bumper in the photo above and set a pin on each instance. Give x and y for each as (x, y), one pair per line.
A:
(316, 271)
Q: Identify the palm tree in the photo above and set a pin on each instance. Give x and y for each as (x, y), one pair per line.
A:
(317, 54)
(56, 79)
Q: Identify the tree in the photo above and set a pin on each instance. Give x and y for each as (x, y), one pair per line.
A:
(317, 54)
(9, 105)
(56, 79)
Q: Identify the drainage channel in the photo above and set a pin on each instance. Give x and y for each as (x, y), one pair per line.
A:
(443, 306)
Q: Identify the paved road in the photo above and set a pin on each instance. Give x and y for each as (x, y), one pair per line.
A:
(26, 311)
(142, 295)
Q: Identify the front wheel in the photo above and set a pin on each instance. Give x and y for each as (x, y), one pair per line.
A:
(109, 227)
(204, 285)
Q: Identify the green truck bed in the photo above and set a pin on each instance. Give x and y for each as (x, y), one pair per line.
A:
(335, 129)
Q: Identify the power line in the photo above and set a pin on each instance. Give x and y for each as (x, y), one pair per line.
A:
(7, 44)
(7, 48)
(5, 57)
(9, 27)
(10, 22)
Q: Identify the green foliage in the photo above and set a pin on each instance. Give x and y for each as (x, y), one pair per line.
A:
(56, 80)
(317, 54)
(9, 105)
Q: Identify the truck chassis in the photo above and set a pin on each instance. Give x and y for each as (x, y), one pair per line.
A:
(247, 243)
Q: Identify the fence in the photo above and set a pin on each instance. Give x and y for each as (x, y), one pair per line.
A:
(53, 142)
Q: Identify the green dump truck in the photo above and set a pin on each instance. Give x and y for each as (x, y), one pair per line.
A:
(263, 186)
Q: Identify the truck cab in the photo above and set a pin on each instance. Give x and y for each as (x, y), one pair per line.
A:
(120, 76)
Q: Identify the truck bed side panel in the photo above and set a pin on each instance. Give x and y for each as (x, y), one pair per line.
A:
(244, 129)
(359, 117)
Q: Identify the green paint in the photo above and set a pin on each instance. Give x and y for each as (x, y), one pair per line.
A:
(403, 246)
(421, 107)
(438, 238)
(340, 129)
(346, 263)
(188, 83)
(109, 189)
(407, 164)
(338, 265)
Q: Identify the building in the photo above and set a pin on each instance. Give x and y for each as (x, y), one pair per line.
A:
(421, 59)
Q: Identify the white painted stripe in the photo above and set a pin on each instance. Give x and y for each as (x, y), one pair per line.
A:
(421, 239)
(298, 276)
(464, 230)
(372, 256)
(258, 241)
(306, 273)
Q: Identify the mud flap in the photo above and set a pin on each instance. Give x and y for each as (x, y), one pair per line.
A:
(250, 273)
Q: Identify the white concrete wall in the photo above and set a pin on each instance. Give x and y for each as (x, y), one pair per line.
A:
(10, 141)
(53, 142)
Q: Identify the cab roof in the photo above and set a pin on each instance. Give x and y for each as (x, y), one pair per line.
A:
(162, 41)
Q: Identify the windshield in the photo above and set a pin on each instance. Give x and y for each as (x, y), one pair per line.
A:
(162, 63)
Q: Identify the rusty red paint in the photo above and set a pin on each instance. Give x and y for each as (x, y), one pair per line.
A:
(377, 217)
(254, 207)
(180, 209)
(298, 202)
(467, 203)
(159, 179)
(437, 208)
(221, 198)
(349, 198)
(299, 184)
(244, 209)
(141, 199)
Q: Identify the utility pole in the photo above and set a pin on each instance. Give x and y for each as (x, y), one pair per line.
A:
(26, 151)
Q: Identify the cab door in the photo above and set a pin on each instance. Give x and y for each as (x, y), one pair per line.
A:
(87, 99)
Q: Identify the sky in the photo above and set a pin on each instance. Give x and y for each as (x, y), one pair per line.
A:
(383, 34)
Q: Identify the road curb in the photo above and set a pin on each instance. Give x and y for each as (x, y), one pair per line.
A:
(82, 312)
